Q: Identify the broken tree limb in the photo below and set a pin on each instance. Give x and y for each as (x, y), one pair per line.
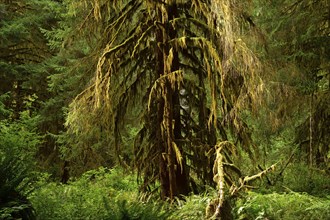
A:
(247, 179)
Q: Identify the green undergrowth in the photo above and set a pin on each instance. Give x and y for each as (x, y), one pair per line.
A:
(113, 194)
(190, 207)
(300, 178)
(109, 194)
(18, 145)
(98, 194)
(299, 193)
(288, 206)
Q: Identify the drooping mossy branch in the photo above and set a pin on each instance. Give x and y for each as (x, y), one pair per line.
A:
(175, 78)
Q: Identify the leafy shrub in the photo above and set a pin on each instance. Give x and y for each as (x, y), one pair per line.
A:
(4, 112)
(18, 145)
(192, 207)
(282, 206)
(137, 209)
(13, 203)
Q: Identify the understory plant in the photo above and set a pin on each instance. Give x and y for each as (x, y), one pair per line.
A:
(282, 206)
(98, 194)
(18, 144)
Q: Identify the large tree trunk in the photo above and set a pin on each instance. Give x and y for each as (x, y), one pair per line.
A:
(173, 176)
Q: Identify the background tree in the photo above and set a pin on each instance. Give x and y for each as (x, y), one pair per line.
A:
(66, 78)
(24, 64)
(23, 50)
(301, 56)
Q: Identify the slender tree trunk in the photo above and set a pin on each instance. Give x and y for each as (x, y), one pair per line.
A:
(17, 99)
(311, 131)
(65, 172)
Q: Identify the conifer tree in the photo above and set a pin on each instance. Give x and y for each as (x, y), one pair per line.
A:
(22, 51)
(299, 40)
(184, 70)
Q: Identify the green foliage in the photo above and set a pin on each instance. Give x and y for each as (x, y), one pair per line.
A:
(301, 178)
(298, 42)
(4, 112)
(18, 146)
(191, 207)
(112, 194)
(98, 194)
(23, 47)
(109, 194)
(282, 206)
(67, 75)
(136, 209)
(20, 138)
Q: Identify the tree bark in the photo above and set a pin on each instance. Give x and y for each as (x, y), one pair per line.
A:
(173, 178)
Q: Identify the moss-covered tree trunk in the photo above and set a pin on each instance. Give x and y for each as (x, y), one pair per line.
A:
(173, 177)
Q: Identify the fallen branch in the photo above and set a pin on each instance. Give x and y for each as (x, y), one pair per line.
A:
(247, 179)
(215, 206)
